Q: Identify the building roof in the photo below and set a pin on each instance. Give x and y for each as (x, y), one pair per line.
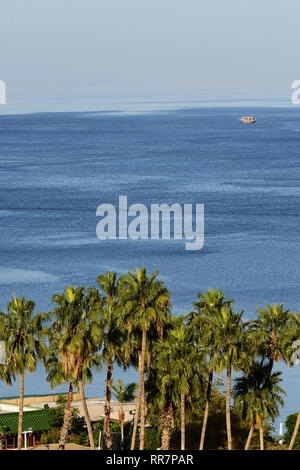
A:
(37, 420)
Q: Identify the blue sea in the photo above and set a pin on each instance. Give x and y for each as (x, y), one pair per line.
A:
(56, 168)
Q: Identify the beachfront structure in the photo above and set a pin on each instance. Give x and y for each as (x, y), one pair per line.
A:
(6, 407)
(36, 421)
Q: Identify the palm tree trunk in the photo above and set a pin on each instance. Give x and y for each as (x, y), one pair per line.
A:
(250, 435)
(295, 432)
(121, 421)
(182, 420)
(21, 404)
(205, 417)
(261, 436)
(167, 427)
(67, 421)
(228, 417)
(86, 413)
(142, 433)
(107, 409)
(122, 429)
(140, 387)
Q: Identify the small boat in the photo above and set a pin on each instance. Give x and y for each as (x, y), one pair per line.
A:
(248, 119)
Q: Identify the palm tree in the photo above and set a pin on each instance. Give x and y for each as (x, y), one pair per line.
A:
(257, 396)
(273, 328)
(209, 304)
(179, 365)
(77, 327)
(124, 394)
(153, 335)
(145, 303)
(23, 332)
(231, 344)
(112, 340)
(56, 376)
(161, 386)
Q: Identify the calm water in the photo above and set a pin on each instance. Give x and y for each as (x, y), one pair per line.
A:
(57, 168)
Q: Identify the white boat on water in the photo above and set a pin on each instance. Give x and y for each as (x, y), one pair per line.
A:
(248, 119)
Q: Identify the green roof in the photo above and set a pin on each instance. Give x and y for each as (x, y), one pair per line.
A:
(37, 420)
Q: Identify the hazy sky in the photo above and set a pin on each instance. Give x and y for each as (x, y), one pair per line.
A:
(196, 46)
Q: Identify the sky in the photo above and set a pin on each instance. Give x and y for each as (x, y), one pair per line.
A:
(63, 49)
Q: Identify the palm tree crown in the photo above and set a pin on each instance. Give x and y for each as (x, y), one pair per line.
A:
(272, 328)
(258, 396)
(23, 333)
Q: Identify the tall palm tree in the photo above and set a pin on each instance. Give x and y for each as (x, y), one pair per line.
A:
(124, 394)
(204, 334)
(154, 334)
(113, 338)
(257, 397)
(163, 399)
(161, 386)
(273, 328)
(178, 363)
(231, 343)
(23, 333)
(56, 376)
(77, 325)
(145, 303)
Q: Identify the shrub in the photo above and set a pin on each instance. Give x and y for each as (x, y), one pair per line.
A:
(51, 437)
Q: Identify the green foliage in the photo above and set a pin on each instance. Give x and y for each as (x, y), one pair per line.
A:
(81, 439)
(258, 394)
(56, 414)
(125, 445)
(152, 438)
(113, 333)
(290, 426)
(145, 301)
(115, 426)
(97, 427)
(177, 367)
(23, 333)
(129, 319)
(75, 334)
(273, 330)
(124, 393)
